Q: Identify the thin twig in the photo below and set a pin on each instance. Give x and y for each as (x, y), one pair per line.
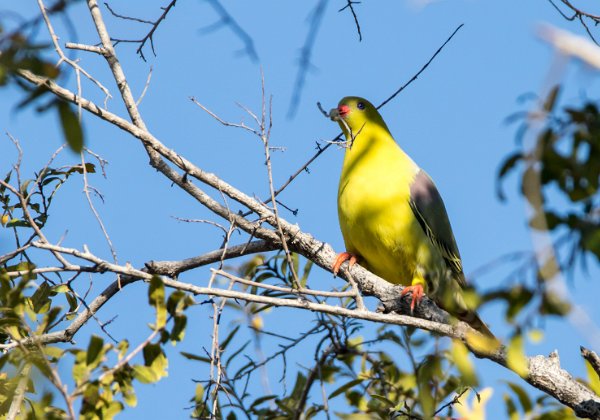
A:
(322, 149)
(350, 5)
(150, 35)
(305, 55)
(86, 191)
(304, 291)
(226, 19)
(416, 76)
(146, 86)
(19, 393)
(63, 58)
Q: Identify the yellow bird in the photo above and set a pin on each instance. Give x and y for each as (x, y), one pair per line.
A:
(392, 216)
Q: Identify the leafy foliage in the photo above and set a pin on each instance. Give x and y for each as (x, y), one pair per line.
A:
(17, 54)
(564, 160)
(389, 372)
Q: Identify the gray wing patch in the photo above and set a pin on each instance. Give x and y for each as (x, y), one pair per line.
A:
(428, 207)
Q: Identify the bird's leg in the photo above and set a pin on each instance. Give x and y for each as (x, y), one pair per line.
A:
(343, 256)
(417, 290)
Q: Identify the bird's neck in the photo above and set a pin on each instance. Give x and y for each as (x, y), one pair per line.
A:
(372, 145)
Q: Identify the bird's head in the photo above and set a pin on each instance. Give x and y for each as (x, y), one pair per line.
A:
(354, 113)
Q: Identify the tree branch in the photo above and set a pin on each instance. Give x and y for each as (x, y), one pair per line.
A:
(544, 372)
(593, 358)
(174, 268)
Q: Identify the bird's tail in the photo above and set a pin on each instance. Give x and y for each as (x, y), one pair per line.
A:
(471, 318)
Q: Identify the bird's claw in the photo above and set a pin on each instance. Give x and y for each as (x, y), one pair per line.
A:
(343, 256)
(417, 295)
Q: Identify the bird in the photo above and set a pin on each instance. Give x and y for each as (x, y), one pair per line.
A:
(392, 217)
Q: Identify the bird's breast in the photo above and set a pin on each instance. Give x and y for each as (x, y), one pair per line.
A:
(375, 215)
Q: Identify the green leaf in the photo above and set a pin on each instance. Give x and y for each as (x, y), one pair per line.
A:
(60, 288)
(49, 318)
(94, 350)
(25, 185)
(522, 396)
(518, 297)
(173, 302)
(551, 99)
(345, 387)
(199, 394)
(178, 331)
(191, 356)
(307, 267)
(40, 299)
(123, 346)
(515, 357)
(387, 402)
(237, 352)
(553, 304)
(71, 126)
(461, 358)
(111, 409)
(229, 337)
(80, 368)
(156, 298)
(156, 361)
(16, 222)
(54, 353)
(511, 408)
(144, 374)
(507, 166)
(90, 168)
(261, 400)
(72, 300)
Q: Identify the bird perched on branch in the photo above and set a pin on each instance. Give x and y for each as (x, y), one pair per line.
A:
(392, 216)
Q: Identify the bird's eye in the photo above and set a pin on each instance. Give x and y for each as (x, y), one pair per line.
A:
(360, 105)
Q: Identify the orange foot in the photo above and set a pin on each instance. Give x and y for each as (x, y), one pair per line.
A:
(344, 256)
(417, 294)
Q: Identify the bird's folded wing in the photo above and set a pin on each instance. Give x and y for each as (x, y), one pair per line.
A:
(429, 209)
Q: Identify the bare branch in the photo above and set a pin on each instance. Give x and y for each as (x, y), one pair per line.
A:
(174, 268)
(350, 5)
(155, 147)
(593, 358)
(86, 191)
(115, 14)
(19, 393)
(150, 35)
(301, 291)
(415, 77)
(64, 58)
(146, 86)
(305, 54)
(571, 45)
(580, 15)
(544, 373)
(222, 121)
(225, 19)
(83, 47)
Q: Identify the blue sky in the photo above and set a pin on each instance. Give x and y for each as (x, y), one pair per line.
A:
(451, 121)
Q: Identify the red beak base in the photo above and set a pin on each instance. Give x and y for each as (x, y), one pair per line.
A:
(343, 110)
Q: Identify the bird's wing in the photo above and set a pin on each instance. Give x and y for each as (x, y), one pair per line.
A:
(428, 207)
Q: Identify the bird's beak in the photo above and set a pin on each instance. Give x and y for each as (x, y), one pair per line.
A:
(339, 113)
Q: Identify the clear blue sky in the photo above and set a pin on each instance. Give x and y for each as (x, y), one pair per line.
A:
(451, 121)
